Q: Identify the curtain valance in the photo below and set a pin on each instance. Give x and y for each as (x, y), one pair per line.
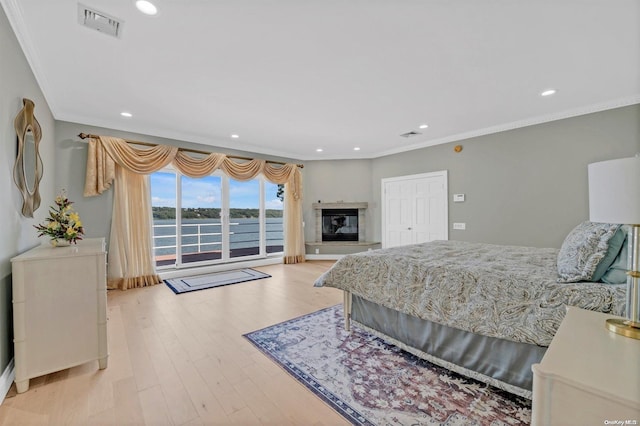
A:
(107, 151)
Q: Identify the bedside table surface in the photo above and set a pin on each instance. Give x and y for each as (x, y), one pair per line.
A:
(584, 352)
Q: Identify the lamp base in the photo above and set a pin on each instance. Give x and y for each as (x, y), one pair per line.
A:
(624, 327)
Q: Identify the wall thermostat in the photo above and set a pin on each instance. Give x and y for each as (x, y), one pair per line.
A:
(458, 198)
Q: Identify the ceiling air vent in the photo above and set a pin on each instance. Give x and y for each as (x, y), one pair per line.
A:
(99, 21)
(409, 134)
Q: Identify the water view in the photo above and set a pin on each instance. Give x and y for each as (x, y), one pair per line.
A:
(201, 204)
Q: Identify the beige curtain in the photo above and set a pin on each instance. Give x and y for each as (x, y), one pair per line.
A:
(293, 231)
(131, 261)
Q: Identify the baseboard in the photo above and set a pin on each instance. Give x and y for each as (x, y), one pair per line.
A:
(323, 256)
(6, 380)
(201, 270)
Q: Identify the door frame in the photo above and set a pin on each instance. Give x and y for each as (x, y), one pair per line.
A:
(441, 173)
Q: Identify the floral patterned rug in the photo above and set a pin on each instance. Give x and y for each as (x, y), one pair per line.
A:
(370, 382)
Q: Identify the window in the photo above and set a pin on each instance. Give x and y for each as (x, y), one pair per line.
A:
(200, 219)
(163, 202)
(274, 197)
(216, 219)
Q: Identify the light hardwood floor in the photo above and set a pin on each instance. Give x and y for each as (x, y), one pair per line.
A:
(182, 360)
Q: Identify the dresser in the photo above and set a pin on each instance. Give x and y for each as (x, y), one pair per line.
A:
(59, 309)
(588, 376)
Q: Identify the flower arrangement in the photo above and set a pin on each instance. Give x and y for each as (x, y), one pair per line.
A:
(63, 224)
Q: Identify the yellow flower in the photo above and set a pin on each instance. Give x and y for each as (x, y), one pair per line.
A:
(62, 222)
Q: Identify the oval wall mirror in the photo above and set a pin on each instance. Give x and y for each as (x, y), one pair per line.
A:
(29, 161)
(27, 170)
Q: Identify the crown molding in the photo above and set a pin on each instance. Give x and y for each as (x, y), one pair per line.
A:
(617, 103)
(15, 16)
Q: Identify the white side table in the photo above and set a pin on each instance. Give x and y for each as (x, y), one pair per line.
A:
(59, 309)
(588, 376)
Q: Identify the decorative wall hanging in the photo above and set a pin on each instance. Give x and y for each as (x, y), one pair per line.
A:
(27, 170)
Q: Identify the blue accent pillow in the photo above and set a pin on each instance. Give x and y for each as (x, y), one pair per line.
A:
(583, 249)
(617, 272)
(615, 246)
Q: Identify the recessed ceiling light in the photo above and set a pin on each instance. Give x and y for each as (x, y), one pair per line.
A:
(235, 136)
(126, 114)
(357, 148)
(146, 7)
(424, 126)
(319, 150)
(548, 92)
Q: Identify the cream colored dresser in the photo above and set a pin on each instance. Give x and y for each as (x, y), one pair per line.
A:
(59, 309)
(588, 376)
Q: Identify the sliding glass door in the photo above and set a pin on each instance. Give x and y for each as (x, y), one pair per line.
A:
(274, 195)
(214, 219)
(244, 218)
(163, 201)
(200, 222)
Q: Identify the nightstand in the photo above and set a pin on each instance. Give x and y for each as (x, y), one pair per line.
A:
(588, 376)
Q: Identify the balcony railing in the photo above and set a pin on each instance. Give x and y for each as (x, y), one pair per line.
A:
(203, 241)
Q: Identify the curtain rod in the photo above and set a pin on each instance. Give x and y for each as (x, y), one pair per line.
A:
(87, 135)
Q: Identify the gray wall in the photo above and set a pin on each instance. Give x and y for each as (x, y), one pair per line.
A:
(17, 82)
(526, 186)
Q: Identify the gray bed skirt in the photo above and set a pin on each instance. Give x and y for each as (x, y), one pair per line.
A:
(502, 363)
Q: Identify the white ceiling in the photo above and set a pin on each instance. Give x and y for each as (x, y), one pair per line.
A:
(290, 76)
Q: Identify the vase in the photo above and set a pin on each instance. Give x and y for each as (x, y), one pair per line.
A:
(60, 242)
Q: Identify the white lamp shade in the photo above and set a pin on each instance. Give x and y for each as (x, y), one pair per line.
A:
(614, 191)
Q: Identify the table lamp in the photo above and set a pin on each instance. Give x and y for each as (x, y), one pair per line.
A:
(614, 197)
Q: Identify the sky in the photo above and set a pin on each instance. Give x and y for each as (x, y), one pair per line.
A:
(206, 192)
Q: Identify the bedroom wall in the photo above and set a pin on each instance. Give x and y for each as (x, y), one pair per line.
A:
(71, 158)
(526, 186)
(17, 82)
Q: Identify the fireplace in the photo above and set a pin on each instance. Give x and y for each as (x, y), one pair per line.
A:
(328, 217)
(339, 224)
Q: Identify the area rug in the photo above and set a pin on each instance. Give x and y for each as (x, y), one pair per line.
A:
(201, 282)
(370, 382)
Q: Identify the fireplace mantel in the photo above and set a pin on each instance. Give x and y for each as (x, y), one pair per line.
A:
(340, 205)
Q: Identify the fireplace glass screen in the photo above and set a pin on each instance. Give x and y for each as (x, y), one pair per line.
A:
(340, 225)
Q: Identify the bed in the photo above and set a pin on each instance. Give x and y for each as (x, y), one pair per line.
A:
(485, 311)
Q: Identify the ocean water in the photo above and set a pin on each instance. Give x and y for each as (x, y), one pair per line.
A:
(245, 234)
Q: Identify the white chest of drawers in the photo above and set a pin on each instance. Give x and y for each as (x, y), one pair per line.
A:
(59, 309)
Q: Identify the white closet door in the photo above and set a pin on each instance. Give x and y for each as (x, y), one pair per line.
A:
(414, 209)
(399, 218)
